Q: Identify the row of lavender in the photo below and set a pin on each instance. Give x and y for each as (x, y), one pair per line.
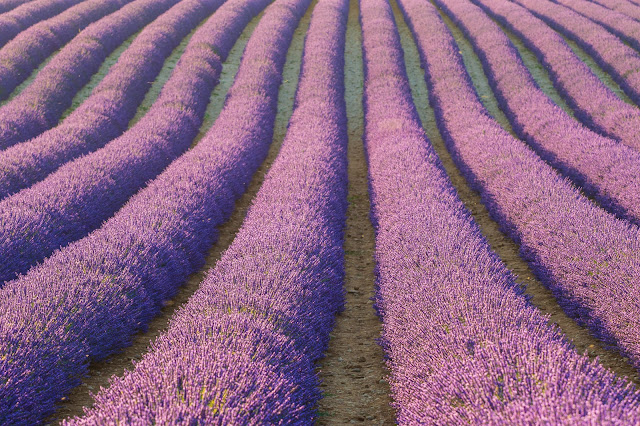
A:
(41, 104)
(587, 257)
(251, 334)
(80, 195)
(621, 61)
(31, 47)
(594, 103)
(438, 283)
(23, 17)
(88, 299)
(113, 103)
(586, 157)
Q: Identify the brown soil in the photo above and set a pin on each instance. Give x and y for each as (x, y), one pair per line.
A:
(100, 372)
(353, 371)
(500, 242)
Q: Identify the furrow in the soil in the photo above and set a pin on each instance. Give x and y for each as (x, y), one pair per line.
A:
(353, 371)
(500, 243)
(100, 372)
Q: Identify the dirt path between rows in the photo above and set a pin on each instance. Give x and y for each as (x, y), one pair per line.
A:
(353, 371)
(500, 242)
(100, 372)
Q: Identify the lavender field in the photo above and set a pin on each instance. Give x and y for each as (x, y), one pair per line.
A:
(326, 212)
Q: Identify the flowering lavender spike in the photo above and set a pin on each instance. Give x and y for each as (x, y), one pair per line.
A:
(464, 345)
(113, 103)
(248, 338)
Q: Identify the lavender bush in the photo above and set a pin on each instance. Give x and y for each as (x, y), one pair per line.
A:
(463, 344)
(618, 59)
(587, 257)
(23, 17)
(625, 27)
(87, 300)
(623, 6)
(594, 103)
(23, 54)
(41, 104)
(252, 332)
(112, 104)
(79, 196)
(604, 168)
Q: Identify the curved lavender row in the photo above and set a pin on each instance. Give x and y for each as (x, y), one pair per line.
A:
(464, 346)
(623, 26)
(8, 5)
(88, 299)
(604, 168)
(594, 103)
(586, 256)
(28, 14)
(619, 60)
(23, 54)
(112, 104)
(41, 104)
(630, 9)
(79, 196)
(264, 369)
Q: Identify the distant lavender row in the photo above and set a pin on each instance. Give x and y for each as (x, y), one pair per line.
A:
(618, 23)
(588, 258)
(594, 103)
(8, 5)
(618, 59)
(604, 168)
(623, 6)
(41, 104)
(262, 316)
(88, 299)
(28, 14)
(464, 345)
(112, 104)
(80, 195)
(23, 54)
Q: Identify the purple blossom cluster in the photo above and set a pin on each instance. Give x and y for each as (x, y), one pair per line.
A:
(80, 195)
(619, 60)
(113, 103)
(623, 26)
(594, 103)
(23, 54)
(587, 257)
(463, 344)
(88, 299)
(250, 335)
(623, 6)
(23, 17)
(602, 167)
(41, 104)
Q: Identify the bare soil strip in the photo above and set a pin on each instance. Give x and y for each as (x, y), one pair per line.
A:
(100, 372)
(353, 371)
(501, 243)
